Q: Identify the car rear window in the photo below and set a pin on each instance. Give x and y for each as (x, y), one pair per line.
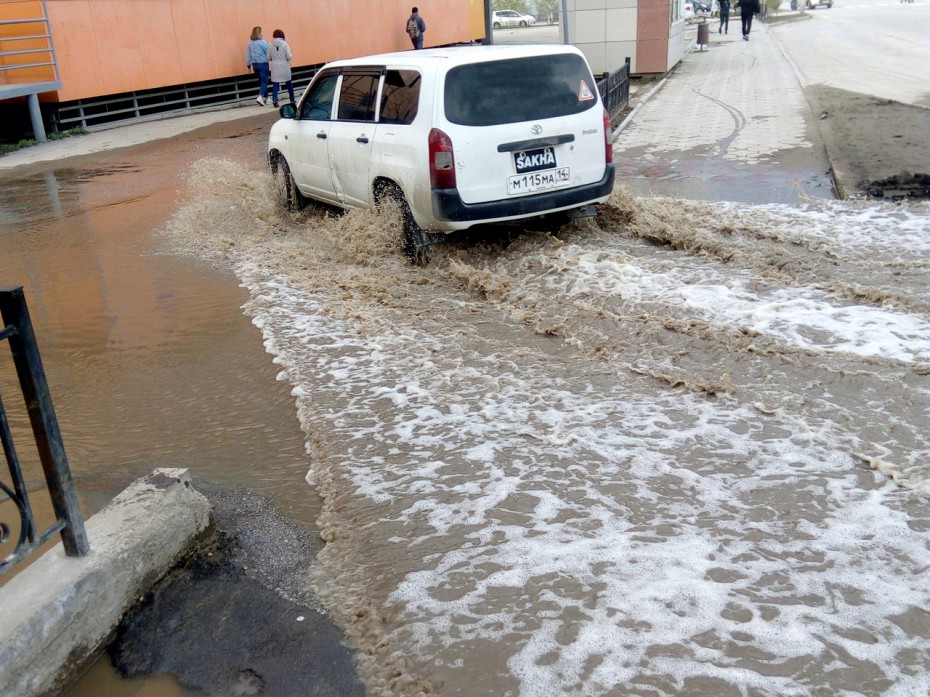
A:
(519, 89)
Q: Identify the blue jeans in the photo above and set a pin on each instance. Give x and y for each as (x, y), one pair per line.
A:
(290, 91)
(417, 42)
(261, 69)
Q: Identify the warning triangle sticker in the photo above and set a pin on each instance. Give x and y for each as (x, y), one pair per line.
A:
(584, 92)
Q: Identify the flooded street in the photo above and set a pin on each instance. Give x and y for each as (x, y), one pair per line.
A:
(680, 448)
(148, 365)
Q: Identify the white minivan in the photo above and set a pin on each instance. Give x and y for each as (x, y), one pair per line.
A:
(457, 136)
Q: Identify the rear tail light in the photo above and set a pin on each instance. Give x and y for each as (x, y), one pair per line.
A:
(608, 145)
(441, 160)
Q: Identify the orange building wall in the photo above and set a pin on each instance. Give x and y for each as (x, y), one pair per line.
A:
(114, 46)
(23, 9)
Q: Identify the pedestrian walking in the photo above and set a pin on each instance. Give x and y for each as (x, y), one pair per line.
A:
(748, 8)
(257, 54)
(280, 67)
(724, 17)
(416, 27)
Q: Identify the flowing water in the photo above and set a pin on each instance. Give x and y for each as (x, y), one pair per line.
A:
(681, 448)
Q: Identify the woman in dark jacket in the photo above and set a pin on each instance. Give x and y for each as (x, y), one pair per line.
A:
(748, 8)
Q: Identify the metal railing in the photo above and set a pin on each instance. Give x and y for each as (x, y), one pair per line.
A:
(615, 91)
(156, 102)
(69, 522)
(47, 49)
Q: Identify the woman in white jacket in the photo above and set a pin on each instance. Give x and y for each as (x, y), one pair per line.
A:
(281, 67)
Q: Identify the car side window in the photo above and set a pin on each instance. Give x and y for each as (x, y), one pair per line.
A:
(400, 96)
(358, 96)
(318, 104)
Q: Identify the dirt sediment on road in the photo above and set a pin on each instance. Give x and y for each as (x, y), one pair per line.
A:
(876, 146)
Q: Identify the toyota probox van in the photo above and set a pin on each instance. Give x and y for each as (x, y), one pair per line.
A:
(457, 136)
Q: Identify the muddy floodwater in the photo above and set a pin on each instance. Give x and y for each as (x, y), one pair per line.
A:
(679, 448)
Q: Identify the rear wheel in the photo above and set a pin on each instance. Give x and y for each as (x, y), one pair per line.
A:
(414, 242)
(497, 25)
(285, 188)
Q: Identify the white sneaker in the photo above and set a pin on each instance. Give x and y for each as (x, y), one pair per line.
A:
(260, 100)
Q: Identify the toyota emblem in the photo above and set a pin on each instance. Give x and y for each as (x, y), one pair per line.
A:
(536, 129)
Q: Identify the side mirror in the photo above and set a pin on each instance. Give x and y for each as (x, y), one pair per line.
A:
(288, 111)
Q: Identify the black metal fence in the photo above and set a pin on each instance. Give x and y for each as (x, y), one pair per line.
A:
(177, 99)
(615, 91)
(69, 522)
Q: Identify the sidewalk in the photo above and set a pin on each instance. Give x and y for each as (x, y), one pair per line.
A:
(730, 122)
(128, 135)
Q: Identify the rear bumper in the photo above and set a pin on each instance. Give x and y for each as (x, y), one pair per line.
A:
(448, 205)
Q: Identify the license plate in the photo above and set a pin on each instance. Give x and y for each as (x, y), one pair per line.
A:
(538, 181)
(534, 160)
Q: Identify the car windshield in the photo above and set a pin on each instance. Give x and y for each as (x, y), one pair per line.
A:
(521, 89)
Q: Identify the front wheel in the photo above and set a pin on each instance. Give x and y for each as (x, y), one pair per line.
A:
(285, 188)
(414, 242)
(522, 23)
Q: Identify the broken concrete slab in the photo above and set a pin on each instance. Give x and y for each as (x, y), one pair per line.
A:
(60, 610)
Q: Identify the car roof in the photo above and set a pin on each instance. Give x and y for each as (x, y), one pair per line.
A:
(452, 56)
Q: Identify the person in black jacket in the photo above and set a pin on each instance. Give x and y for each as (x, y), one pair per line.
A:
(748, 8)
(724, 17)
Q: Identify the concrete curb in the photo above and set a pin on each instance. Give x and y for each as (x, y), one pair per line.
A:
(839, 188)
(60, 610)
(629, 117)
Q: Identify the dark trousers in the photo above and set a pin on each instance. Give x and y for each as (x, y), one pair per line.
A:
(746, 18)
(290, 90)
(724, 22)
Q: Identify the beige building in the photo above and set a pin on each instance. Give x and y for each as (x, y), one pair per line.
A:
(649, 32)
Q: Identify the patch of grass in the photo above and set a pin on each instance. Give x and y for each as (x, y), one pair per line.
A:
(29, 142)
(13, 147)
(76, 131)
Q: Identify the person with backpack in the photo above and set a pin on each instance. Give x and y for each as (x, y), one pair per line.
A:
(416, 27)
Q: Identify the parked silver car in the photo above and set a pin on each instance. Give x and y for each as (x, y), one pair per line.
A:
(511, 18)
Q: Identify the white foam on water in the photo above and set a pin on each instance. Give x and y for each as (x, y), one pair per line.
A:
(802, 317)
(604, 533)
(642, 533)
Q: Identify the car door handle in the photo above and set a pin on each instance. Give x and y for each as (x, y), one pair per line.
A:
(321, 135)
(361, 139)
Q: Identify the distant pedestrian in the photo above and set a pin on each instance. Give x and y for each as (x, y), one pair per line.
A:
(257, 54)
(416, 27)
(748, 8)
(281, 67)
(724, 17)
